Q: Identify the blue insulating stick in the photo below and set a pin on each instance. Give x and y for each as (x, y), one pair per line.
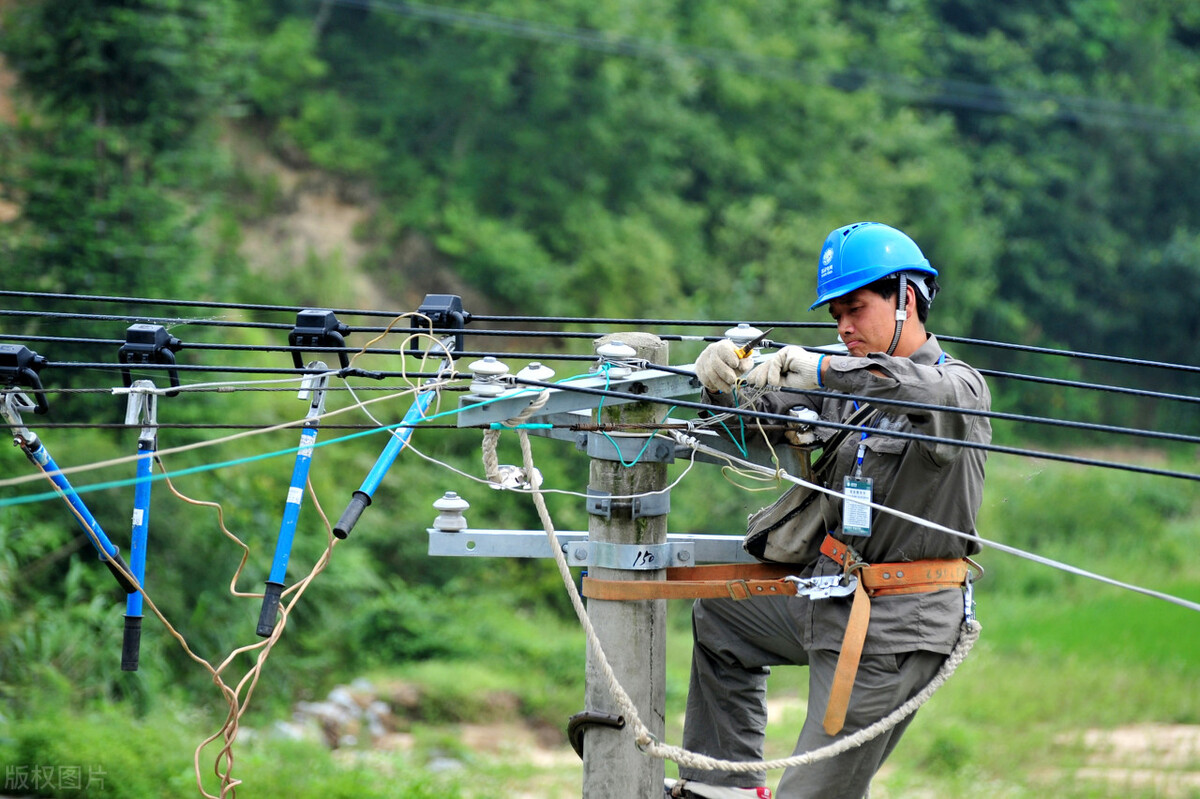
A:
(109, 554)
(287, 533)
(396, 442)
(132, 643)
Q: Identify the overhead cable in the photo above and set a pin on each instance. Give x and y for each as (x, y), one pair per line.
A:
(517, 319)
(781, 418)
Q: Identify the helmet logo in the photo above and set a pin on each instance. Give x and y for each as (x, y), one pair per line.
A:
(827, 256)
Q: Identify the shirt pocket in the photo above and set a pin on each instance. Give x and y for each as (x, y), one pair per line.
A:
(881, 461)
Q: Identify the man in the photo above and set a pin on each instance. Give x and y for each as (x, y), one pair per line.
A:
(879, 287)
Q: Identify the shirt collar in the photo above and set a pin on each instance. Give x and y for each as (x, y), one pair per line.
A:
(929, 353)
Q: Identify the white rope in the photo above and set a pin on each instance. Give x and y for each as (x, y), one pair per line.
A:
(491, 464)
(646, 741)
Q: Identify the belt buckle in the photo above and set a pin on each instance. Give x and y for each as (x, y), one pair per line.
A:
(745, 586)
(823, 587)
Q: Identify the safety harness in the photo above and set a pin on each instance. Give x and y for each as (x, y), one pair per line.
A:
(858, 578)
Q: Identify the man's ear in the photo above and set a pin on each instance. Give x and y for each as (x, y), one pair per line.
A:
(910, 302)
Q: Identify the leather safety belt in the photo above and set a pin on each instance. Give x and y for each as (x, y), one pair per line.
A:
(881, 579)
(746, 581)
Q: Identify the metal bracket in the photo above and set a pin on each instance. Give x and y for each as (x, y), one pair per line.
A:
(601, 503)
(823, 587)
(626, 448)
(12, 405)
(686, 549)
(648, 382)
(640, 557)
(313, 387)
(142, 408)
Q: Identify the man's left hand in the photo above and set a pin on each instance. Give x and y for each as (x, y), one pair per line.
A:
(791, 367)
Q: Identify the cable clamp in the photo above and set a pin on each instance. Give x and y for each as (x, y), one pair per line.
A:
(149, 344)
(19, 366)
(313, 387)
(13, 405)
(142, 408)
(318, 328)
(601, 503)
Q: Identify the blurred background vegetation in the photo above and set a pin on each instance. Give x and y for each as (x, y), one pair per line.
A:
(608, 158)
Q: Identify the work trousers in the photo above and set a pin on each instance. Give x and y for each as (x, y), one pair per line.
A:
(736, 643)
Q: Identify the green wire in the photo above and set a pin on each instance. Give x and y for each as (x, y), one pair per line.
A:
(741, 426)
(617, 449)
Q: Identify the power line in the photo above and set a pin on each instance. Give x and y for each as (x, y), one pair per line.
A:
(515, 319)
(781, 418)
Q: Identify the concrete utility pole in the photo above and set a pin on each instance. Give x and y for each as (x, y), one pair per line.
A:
(630, 538)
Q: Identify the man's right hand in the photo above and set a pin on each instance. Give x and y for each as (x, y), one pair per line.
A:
(720, 366)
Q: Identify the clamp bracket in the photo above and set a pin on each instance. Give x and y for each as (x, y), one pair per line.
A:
(445, 312)
(601, 503)
(318, 328)
(147, 344)
(142, 408)
(312, 388)
(12, 405)
(626, 448)
(19, 366)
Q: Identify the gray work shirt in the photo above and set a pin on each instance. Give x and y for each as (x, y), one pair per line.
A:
(942, 482)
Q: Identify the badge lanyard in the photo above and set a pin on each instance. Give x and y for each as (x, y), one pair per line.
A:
(856, 512)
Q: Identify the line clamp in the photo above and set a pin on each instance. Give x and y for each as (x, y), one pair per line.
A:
(149, 344)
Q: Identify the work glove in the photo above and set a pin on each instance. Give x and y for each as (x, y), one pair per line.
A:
(720, 366)
(791, 367)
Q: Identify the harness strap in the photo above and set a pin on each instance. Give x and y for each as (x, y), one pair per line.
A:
(744, 581)
(880, 579)
(727, 580)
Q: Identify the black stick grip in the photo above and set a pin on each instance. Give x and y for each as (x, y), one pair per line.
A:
(132, 644)
(270, 609)
(358, 504)
(116, 564)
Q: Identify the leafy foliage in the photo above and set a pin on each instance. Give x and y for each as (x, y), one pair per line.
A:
(677, 160)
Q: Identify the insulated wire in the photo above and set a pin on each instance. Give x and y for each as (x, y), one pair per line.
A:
(675, 402)
(1190, 605)
(893, 433)
(515, 319)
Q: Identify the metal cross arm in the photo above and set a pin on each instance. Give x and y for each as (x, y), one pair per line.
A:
(570, 404)
(580, 395)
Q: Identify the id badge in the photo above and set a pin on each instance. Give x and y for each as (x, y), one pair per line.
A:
(856, 516)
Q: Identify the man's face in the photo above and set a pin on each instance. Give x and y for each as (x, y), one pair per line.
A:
(866, 321)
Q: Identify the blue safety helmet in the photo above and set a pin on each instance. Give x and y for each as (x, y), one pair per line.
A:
(857, 255)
